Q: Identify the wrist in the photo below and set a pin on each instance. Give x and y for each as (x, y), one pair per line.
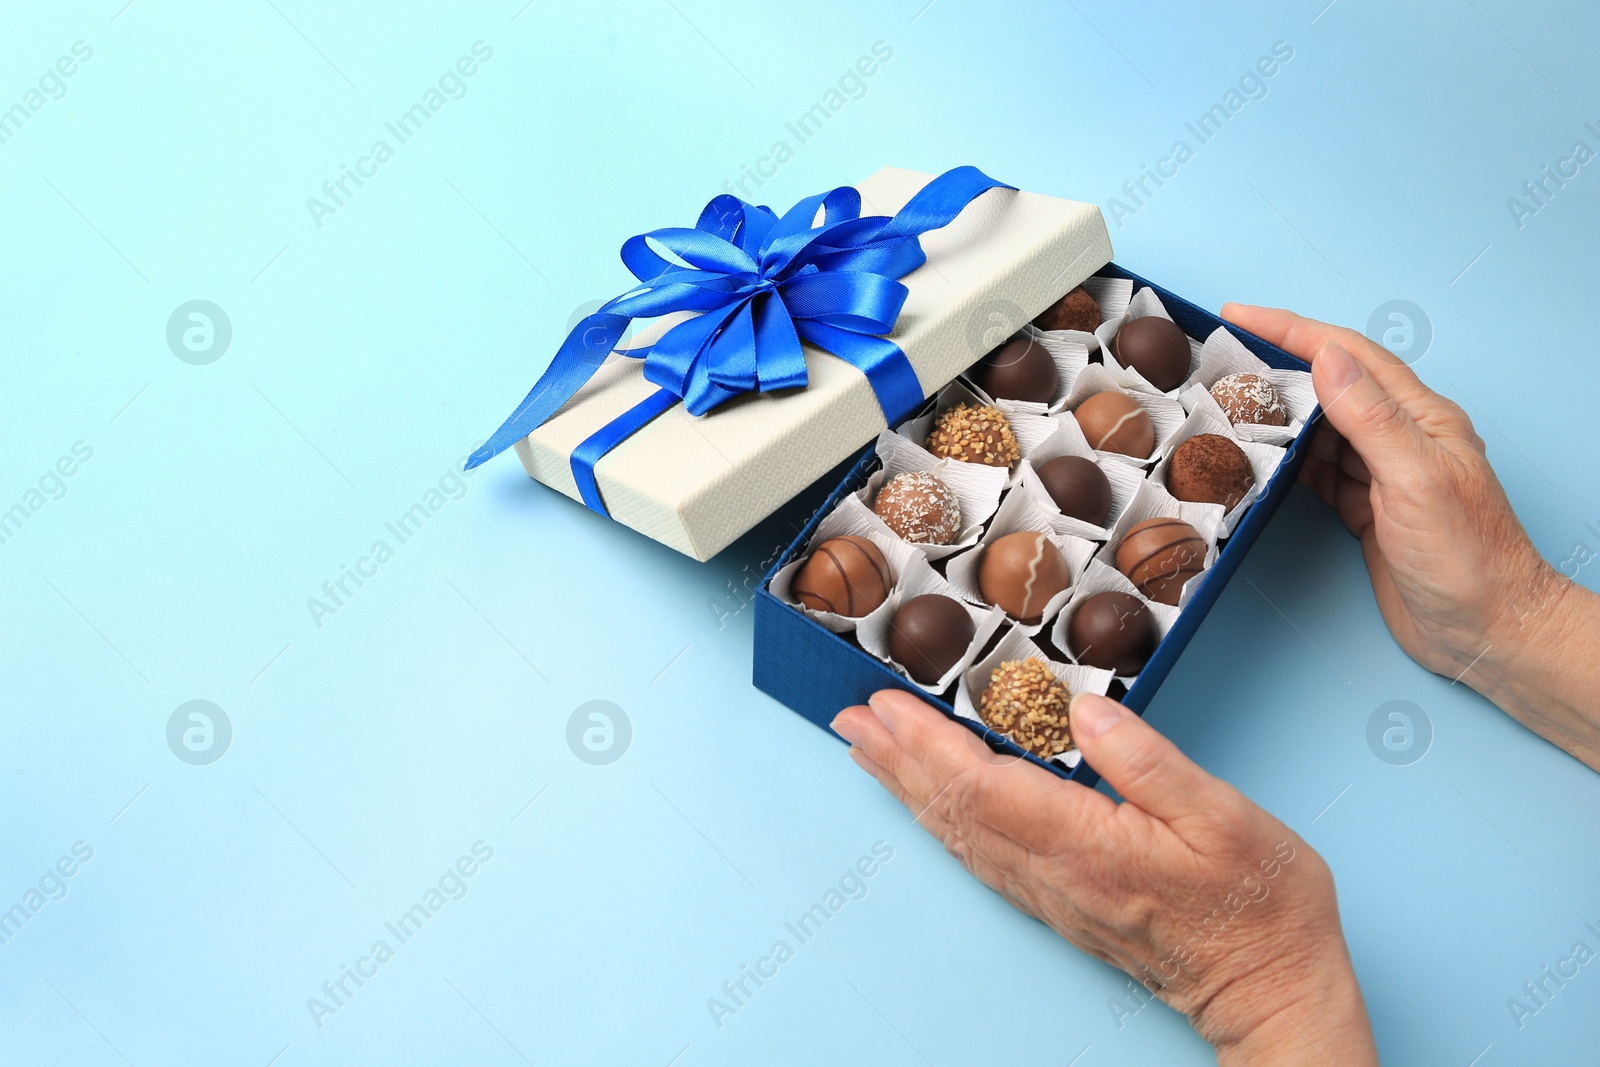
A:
(1541, 665)
(1302, 1008)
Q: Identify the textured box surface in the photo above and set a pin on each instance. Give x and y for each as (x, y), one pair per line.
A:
(696, 484)
(817, 672)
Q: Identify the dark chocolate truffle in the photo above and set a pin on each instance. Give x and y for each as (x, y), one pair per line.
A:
(1078, 486)
(1156, 348)
(1075, 311)
(1114, 422)
(975, 435)
(1020, 572)
(1020, 369)
(930, 633)
(1159, 555)
(920, 508)
(1250, 398)
(845, 575)
(1026, 701)
(1114, 631)
(1210, 469)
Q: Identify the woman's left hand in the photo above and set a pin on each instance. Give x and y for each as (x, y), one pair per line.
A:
(1209, 902)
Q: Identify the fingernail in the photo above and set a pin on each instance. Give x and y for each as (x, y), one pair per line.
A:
(1343, 370)
(845, 729)
(1092, 715)
(880, 703)
(864, 761)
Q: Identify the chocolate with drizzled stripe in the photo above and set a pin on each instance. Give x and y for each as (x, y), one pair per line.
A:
(845, 575)
(1159, 556)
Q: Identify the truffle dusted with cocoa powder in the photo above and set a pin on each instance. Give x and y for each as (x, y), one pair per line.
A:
(1075, 311)
(1029, 704)
(1210, 469)
(979, 434)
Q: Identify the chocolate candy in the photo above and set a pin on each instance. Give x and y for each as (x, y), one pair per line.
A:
(920, 508)
(1210, 469)
(1075, 311)
(1156, 348)
(845, 575)
(1250, 398)
(975, 435)
(1114, 422)
(1026, 701)
(1114, 631)
(1020, 572)
(1078, 486)
(929, 634)
(1159, 555)
(1020, 369)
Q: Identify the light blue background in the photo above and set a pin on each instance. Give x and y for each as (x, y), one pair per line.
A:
(372, 352)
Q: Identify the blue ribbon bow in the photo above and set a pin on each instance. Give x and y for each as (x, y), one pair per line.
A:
(762, 284)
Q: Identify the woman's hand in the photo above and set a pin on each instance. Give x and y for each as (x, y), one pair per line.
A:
(1213, 905)
(1457, 579)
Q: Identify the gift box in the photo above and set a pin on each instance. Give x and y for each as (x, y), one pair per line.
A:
(695, 476)
(781, 344)
(816, 671)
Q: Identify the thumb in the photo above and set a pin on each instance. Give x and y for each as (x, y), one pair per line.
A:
(1141, 765)
(1366, 414)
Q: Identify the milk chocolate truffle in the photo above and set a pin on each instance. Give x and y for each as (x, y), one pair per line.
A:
(1020, 572)
(1020, 369)
(1210, 469)
(1075, 311)
(920, 508)
(1250, 398)
(1028, 703)
(1114, 422)
(1078, 486)
(1156, 348)
(845, 575)
(1114, 631)
(1159, 555)
(975, 435)
(930, 633)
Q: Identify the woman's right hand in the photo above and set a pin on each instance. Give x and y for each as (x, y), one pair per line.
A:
(1457, 578)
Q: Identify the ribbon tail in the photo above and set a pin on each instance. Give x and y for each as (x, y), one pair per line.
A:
(618, 430)
(894, 380)
(579, 356)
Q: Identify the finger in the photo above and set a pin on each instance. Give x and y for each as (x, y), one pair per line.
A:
(1367, 415)
(1305, 338)
(1146, 768)
(979, 791)
(1352, 466)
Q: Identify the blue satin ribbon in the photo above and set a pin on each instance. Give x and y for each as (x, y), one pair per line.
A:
(762, 284)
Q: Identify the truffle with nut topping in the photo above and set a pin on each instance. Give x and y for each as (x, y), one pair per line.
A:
(1028, 703)
(978, 434)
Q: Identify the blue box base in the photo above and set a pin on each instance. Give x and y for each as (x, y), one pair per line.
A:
(816, 672)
